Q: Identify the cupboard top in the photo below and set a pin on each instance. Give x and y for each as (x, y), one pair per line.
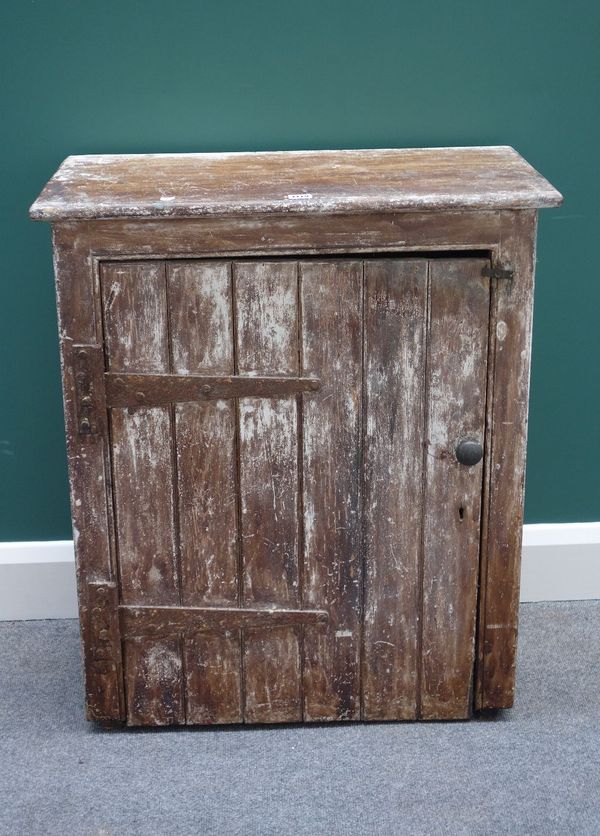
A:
(292, 182)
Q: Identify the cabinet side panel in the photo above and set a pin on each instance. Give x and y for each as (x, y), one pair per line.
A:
(135, 322)
(511, 354)
(456, 397)
(395, 315)
(89, 471)
(331, 294)
(201, 329)
(266, 327)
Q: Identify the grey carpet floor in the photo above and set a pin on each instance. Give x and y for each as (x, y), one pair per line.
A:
(534, 769)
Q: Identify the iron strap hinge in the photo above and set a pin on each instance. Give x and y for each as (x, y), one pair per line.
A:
(498, 273)
(90, 398)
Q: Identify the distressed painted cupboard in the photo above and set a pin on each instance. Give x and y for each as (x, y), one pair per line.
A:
(295, 393)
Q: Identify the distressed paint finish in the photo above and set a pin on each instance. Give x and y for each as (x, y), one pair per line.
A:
(275, 205)
(89, 477)
(504, 495)
(283, 235)
(153, 682)
(394, 345)
(456, 375)
(134, 308)
(299, 182)
(201, 333)
(266, 327)
(331, 299)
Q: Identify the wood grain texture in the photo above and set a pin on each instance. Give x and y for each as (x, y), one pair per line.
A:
(255, 216)
(134, 310)
(170, 620)
(89, 476)
(283, 234)
(267, 341)
(504, 495)
(394, 346)
(153, 682)
(331, 298)
(201, 335)
(456, 397)
(135, 315)
(213, 669)
(202, 341)
(300, 182)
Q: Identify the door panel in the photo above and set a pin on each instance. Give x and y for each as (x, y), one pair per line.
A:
(201, 336)
(395, 339)
(340, 503)
(135, 322)
(456, 395)
(267, 343)
(331, 294)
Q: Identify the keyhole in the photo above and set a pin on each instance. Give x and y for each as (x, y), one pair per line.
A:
(461, 513)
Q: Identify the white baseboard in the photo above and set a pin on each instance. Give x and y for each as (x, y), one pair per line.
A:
(561, 562)
(37, 580)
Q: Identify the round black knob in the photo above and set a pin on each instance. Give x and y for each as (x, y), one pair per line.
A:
(469, 451)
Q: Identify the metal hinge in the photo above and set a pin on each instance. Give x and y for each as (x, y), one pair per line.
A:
(498, 273)
(104, 664)
(88, 368)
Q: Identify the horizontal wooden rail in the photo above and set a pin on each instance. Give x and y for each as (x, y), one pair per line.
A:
(160, 621)
(158, 389)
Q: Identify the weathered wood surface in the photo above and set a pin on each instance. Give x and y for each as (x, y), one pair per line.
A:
(265, 303)
(281, 235)
(89, 479)
(135, 318)
(395, 346)
(511, 319)
(298, 182)
(203, 677)
(201, 337)
(154, 390)
(157, 621)
(271, 509)
(456, 375)
(331, 316)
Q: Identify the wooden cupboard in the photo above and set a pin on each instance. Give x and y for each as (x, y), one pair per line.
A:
(296, 399)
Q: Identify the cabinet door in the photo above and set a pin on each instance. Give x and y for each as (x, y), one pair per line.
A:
(294, 535)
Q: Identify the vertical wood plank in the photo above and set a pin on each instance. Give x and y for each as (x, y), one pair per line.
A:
(272, 671)
(135, 322)
(213, 678)
(331, 293)
(142, 472)
(201, 328)
(153, 682)
(266, 313)
(501, 561)
(395, 312)
(456, 392)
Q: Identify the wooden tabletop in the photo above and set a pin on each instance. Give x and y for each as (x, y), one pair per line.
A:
(292, 182)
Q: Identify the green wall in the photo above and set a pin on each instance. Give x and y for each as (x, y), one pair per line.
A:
(107, 77)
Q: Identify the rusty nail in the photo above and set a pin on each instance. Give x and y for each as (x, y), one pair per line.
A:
(82, 353)
(206, 389)
(103, 634)
(314, 385)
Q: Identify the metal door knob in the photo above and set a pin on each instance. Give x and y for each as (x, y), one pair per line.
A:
(469, 451)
